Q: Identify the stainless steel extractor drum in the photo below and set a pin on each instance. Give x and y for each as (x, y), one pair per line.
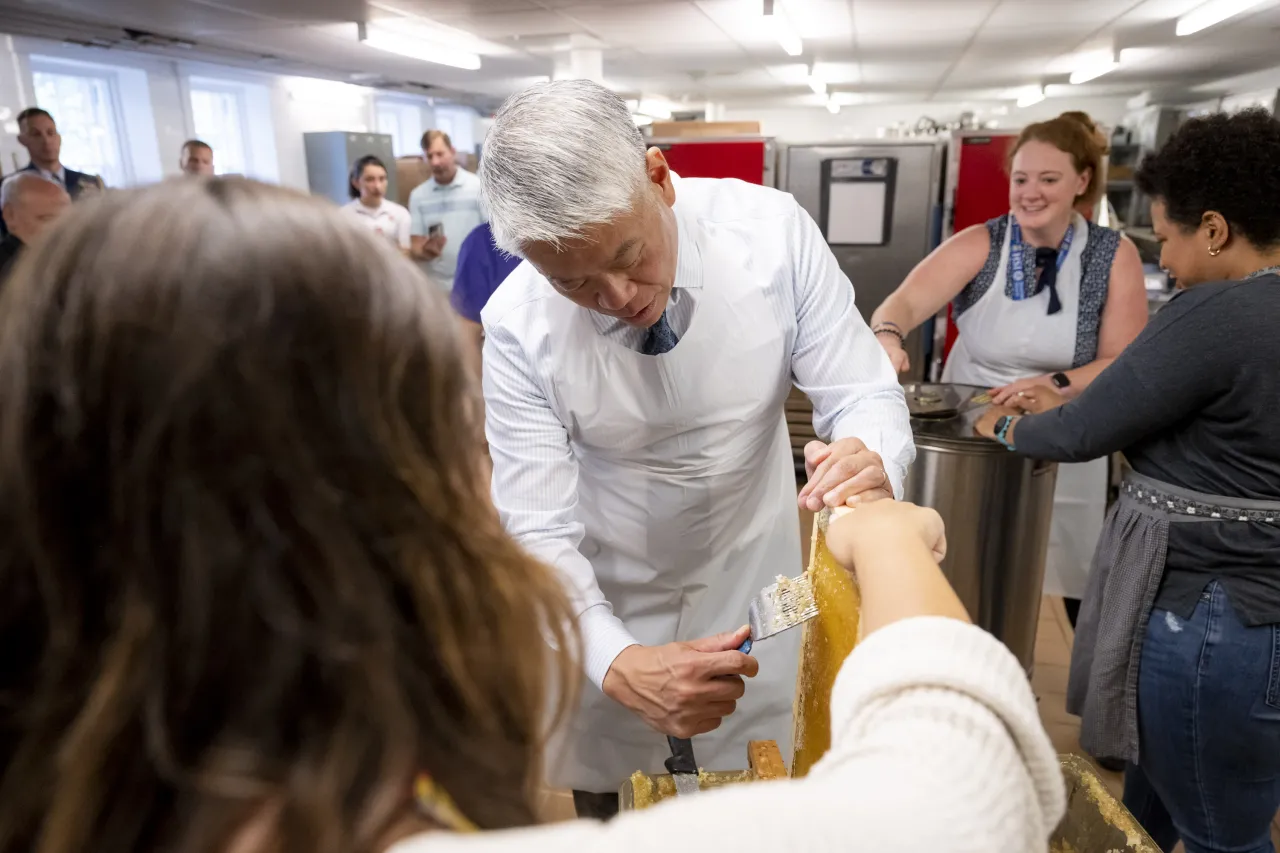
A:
(996, 505)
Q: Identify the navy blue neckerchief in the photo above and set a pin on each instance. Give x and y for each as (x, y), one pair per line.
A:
(1048, 261)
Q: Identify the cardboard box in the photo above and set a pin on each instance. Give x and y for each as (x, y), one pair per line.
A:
(410, 172)
(413, 170)
(703, 129)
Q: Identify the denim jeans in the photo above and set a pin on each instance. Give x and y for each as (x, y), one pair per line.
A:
(1209, 729)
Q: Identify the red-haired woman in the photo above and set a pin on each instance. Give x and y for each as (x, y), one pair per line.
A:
(1041, 297)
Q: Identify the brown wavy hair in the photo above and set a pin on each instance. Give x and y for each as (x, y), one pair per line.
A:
(1070, 136)
(1099, 135)
(251, 572)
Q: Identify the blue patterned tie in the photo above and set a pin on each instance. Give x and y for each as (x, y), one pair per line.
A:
(661, 337)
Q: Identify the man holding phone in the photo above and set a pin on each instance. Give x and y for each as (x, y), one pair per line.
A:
(444, 210)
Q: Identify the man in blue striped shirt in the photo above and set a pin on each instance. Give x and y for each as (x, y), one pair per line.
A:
(444, 209)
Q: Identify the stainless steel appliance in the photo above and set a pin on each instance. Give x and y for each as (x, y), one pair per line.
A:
(878, 204)
(996, 505)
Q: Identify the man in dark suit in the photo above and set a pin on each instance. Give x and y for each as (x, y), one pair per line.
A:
(38, 133)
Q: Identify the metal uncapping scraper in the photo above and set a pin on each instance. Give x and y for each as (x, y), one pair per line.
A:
(779, 607)
(682, 766)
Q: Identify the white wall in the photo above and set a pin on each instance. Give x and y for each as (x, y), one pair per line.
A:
(480, 129)
(816, 124)
(307, 105)
(15, 96)
(159, 109)
(171, 108)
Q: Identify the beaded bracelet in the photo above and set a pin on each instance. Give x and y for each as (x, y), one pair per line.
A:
(884, 330)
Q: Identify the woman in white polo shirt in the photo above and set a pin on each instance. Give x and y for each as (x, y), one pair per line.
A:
(369, 204)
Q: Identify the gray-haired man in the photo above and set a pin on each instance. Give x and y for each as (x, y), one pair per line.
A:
(635, 369)
(29, 202)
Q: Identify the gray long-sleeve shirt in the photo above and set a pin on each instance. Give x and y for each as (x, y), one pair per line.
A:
(1194, 401)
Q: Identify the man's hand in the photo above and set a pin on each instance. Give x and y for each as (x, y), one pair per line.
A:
(683, 689)
(843, 473)
(428, 248)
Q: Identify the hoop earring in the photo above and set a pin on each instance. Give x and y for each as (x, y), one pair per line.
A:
(1213, 253)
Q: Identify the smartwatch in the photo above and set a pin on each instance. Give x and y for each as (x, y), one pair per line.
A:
(1060, 380)
(1002, 430)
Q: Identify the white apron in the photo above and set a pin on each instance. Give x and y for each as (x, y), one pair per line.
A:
(1002, 341)
(687, 493)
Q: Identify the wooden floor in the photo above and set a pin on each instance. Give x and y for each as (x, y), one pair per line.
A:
(1049, 680)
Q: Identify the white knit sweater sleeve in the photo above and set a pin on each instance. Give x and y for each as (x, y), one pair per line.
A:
(936, 745)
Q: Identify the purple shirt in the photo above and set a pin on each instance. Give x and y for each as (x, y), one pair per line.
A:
(482, 266)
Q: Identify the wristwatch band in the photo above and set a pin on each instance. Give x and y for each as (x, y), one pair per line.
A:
(1002, 430)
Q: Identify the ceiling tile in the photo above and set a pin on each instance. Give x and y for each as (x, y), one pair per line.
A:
(815, 21)
(1027, 40)
(914, 73)
(1155, 11)
(887, 49)
(909, 16)
(504, 26)
(906, 39)
(653, 24)
(1042, 17)
(438, 9)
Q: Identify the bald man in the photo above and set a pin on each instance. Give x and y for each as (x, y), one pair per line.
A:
(196, 158)
(28, 202)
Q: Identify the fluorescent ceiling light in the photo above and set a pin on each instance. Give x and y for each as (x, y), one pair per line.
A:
(316, 90)
(1031, 97)
(1211, 14)
(1095, 68)
(653, 108)
(640, 120)
(782, 29)
(845, 99)
(832, 106)
(416, 48)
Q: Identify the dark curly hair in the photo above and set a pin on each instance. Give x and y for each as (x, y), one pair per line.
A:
(1226, 163)
(357, 172)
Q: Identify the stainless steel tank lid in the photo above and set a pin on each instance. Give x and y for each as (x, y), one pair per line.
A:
(944, 413)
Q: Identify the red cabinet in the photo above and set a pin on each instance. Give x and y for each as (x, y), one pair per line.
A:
(750, 160)
(977, 187)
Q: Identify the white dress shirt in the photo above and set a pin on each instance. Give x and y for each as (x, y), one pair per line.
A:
(835, 360)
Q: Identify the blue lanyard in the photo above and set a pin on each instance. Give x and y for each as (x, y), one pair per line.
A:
(1017, 271)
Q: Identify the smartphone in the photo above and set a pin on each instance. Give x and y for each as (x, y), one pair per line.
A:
(435, 229)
